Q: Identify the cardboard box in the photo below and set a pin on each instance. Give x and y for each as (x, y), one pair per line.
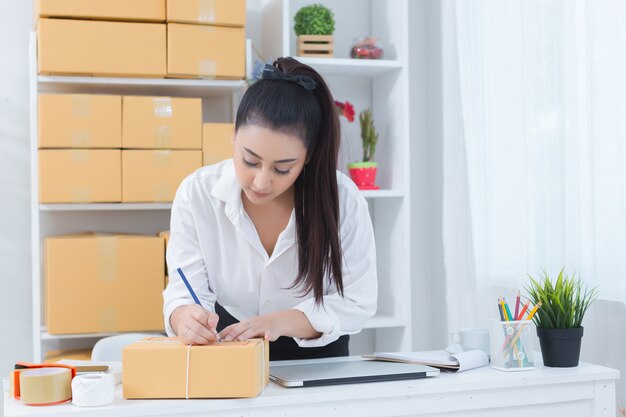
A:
(162, 123)
(80, 176)
(103, 283)
(156, 367)
(80, 121)
(154, 176)
(198, 51)
(134, 10)
(80, 47)
(214, 12)
(217, 142)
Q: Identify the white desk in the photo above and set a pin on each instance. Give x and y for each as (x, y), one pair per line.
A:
(588, 390)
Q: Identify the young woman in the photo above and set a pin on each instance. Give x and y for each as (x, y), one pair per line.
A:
(276, 243)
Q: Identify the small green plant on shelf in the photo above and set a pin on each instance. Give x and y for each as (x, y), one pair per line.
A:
(315, 25)
(314, 19)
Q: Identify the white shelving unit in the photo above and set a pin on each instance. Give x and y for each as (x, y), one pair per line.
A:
(381, 85)
(220, 99)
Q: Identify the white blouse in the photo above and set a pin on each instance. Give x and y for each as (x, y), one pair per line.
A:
(216, 245)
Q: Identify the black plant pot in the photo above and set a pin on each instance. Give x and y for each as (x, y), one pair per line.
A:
(560, 347)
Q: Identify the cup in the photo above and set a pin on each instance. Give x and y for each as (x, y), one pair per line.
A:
(512, 345)
(472, 339)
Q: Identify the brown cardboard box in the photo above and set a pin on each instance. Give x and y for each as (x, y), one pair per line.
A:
(103, 283)
(80, 121)
(154, 176)
(162, 123)
(80, 176)
(217, 142)
(101, 48)
(214, 12)
(156, 367)
(137, 10)
(217, 52)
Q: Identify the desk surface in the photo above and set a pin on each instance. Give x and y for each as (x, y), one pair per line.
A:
(587, 390)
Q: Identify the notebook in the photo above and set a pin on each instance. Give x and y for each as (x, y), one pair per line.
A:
(437, 358)
(347, 370)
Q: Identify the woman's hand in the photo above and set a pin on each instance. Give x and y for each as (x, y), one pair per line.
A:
(194, 325)
(266, 327)
(291, 323)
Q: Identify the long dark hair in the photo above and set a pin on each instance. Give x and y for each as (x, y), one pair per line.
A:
(286, 106)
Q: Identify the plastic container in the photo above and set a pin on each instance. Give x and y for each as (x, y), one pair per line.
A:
(512, 345)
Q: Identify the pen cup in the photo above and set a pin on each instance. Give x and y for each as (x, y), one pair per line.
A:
(512, 345)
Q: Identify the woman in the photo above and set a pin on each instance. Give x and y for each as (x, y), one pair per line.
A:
(276, 243)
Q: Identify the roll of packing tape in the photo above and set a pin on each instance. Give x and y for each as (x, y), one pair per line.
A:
(93, 390)
(45, 386)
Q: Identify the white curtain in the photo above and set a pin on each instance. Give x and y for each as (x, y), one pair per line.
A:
(534, 148)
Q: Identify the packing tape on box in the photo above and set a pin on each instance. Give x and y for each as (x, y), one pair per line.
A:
(45, 386)
(207, 68)
(163, 107)
(81, 139)
(206, 11)
(162, 137)
(107, 319)
(93, 390)
(107, 258)
(80, 195)
(81, 105)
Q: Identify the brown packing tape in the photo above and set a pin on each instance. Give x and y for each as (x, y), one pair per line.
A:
(163, 107)
(81, 105)
(162, 137)
(45, 386)
(206, 11)
(108, 319)
(161, 191)
(81, 139)
(207, 68)
(80, 194)
(107, 258)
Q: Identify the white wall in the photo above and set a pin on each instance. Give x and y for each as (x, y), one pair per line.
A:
(15, 294)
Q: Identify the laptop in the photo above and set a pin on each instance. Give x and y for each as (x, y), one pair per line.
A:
(344, 370)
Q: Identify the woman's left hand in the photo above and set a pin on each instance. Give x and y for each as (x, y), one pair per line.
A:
(266, 327)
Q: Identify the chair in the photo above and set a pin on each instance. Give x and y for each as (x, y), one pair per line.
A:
(110, 348)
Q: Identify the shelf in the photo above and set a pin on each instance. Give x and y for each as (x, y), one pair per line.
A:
(47, 336)
(352, 67)
(152, 86)
(382, 193)
(105, 206)
(384, 321)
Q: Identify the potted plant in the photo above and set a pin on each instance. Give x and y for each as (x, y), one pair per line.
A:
(364, 173)
(315, 25)
(559, 320)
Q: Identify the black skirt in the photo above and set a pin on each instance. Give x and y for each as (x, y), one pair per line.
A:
(285, 348)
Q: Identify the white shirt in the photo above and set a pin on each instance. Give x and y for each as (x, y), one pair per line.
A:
(216, 245)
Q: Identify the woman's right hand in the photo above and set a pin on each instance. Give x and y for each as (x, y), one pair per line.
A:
(194, 325)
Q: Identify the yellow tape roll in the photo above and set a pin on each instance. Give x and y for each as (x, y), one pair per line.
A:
(45, 386)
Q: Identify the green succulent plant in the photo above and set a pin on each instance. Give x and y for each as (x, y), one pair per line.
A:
(314, 19)
(563, 303)
(369, 136)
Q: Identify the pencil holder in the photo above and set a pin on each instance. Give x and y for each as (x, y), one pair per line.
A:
(512, 345)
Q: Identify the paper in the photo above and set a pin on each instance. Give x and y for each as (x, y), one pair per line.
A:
(437, 358)
(115, 367)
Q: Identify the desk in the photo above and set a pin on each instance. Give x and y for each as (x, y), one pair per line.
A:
(588, 390)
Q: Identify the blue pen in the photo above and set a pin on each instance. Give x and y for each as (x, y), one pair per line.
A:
(193, 294)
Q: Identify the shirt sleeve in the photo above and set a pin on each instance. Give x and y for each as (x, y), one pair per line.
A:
(183, 251)
(347, 315)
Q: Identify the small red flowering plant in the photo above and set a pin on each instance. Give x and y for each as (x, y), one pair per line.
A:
(345, 109)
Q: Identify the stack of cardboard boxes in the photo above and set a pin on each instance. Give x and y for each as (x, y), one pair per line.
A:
(125, 149)
(111, 149)
(142, 38)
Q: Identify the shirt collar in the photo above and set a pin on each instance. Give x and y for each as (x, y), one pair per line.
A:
(228, 189)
